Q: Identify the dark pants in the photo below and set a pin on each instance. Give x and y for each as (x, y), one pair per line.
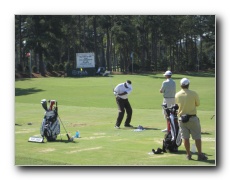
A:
(123, 105)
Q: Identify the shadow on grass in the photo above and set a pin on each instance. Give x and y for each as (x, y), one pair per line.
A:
(194, 156)
(187, 73)
(199, 74)
(16, 124)
(21, 92)
(158, 77)
(205, 133)
(61, 140)
(22, 79)
(145, 128)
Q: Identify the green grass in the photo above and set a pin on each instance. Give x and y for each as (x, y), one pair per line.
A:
(88, 105)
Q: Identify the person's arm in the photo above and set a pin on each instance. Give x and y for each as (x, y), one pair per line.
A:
(162, 88)
(129, 90)
(122, 94)
(115, 90)
(197, 99)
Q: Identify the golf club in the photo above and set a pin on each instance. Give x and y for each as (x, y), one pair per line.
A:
(69, 138)
(44, 104)
(212, 117)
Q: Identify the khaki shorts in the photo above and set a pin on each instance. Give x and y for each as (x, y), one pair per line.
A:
(191, 127)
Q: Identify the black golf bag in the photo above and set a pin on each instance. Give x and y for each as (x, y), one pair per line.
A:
(172, 139)
(50, 127)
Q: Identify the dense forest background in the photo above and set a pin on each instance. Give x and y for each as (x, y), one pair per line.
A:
(122, 43)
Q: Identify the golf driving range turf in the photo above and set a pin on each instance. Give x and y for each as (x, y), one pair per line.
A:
(88, 105)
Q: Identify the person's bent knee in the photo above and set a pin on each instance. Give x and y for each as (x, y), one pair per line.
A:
(121, 111)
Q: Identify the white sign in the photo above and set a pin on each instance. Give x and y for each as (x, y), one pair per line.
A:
(35, 139)
(85, 60)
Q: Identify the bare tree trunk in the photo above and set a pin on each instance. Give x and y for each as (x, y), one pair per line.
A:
(170, 56)
(108, 50)
(41, 64)
(20, 41)
(84, 33)
(201, 51)
(95, 39)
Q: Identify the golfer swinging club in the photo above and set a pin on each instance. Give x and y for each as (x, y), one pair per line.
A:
(121, 92)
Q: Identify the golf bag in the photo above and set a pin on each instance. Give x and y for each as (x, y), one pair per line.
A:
(50, 127)
(172, 139)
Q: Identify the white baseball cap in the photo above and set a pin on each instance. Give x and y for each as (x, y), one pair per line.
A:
(184, 81)
(168, 73)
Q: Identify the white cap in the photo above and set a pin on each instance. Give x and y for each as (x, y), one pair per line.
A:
(168, 73)
(184, 81)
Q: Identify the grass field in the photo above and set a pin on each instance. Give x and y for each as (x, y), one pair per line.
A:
(88, 105)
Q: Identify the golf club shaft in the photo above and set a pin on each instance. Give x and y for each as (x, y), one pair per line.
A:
(62, 124)
(64, 128)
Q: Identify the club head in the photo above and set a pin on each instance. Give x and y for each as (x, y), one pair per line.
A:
(164, 105)
(70, 139)
(52, 103)
(175, 106)
(44, 104)
(43, 100)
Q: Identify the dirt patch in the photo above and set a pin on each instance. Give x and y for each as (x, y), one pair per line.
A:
(48, 150)
(80, 150)
(75, 124)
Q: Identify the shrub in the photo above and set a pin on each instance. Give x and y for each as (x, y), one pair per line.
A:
(55, 67)
(61, 67)
(27, 69)
(49, 67)
(19, 68)
(67, 66)
(34, 69)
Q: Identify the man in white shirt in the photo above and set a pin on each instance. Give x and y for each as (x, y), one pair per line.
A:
(121, 91)
(168, 89)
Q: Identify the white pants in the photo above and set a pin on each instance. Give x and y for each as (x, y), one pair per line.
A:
(170, 102)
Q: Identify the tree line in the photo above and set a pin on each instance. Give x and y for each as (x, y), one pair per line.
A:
(121, 43)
